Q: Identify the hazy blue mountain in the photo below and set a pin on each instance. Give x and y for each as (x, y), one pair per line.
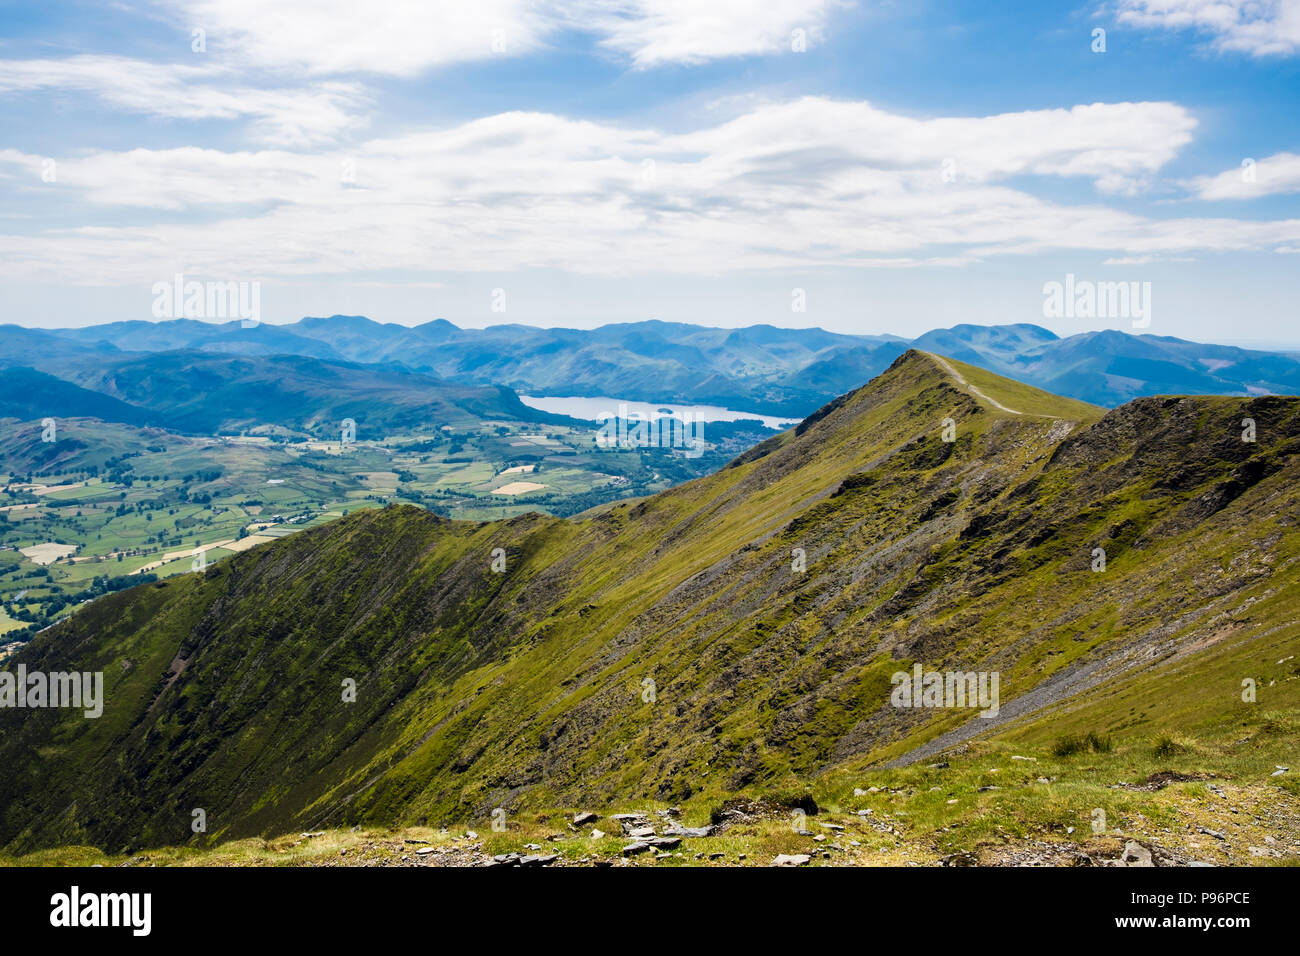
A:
(759, 368)
(353, 337)
(975, 343)
(42, 348)
(29, 395)
(1112, 367)
(201, 392)
(172, 334)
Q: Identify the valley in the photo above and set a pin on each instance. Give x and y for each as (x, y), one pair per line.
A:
(728, 643)
(109, 505)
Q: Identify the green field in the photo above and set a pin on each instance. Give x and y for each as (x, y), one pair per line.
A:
(111, 504)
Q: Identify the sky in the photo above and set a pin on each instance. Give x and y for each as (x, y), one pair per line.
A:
(866, 167)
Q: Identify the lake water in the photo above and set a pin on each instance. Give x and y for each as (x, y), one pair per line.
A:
(599, 408)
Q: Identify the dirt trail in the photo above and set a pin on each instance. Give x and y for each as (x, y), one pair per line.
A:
(973, 390)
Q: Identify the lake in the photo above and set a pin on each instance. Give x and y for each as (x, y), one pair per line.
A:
(602, 407)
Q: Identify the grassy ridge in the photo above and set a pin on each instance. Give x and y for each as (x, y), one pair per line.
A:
(733, 635)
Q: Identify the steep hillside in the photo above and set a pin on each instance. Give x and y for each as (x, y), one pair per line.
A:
(81, 444)
(26, 394)
(733, 635)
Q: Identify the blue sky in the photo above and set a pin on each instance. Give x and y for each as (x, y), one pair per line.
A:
(905, 165)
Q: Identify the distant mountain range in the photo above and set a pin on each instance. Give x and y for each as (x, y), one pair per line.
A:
(203, 388)
(28, 395)
(759, 368)
(200, 392)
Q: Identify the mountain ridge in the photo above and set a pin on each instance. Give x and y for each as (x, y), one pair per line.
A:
(528, 687)
(760, 368)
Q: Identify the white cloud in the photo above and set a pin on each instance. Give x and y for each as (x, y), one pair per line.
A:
(285, 117)
(375, 284)
(257, 53)
(1257, 27)
(655, 32)
(1279, 173)
(809, 183)
(408, 37)
(393, 37)
(1117, 145)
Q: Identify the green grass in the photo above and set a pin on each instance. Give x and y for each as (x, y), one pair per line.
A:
(1025, 398)
(8, 623)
